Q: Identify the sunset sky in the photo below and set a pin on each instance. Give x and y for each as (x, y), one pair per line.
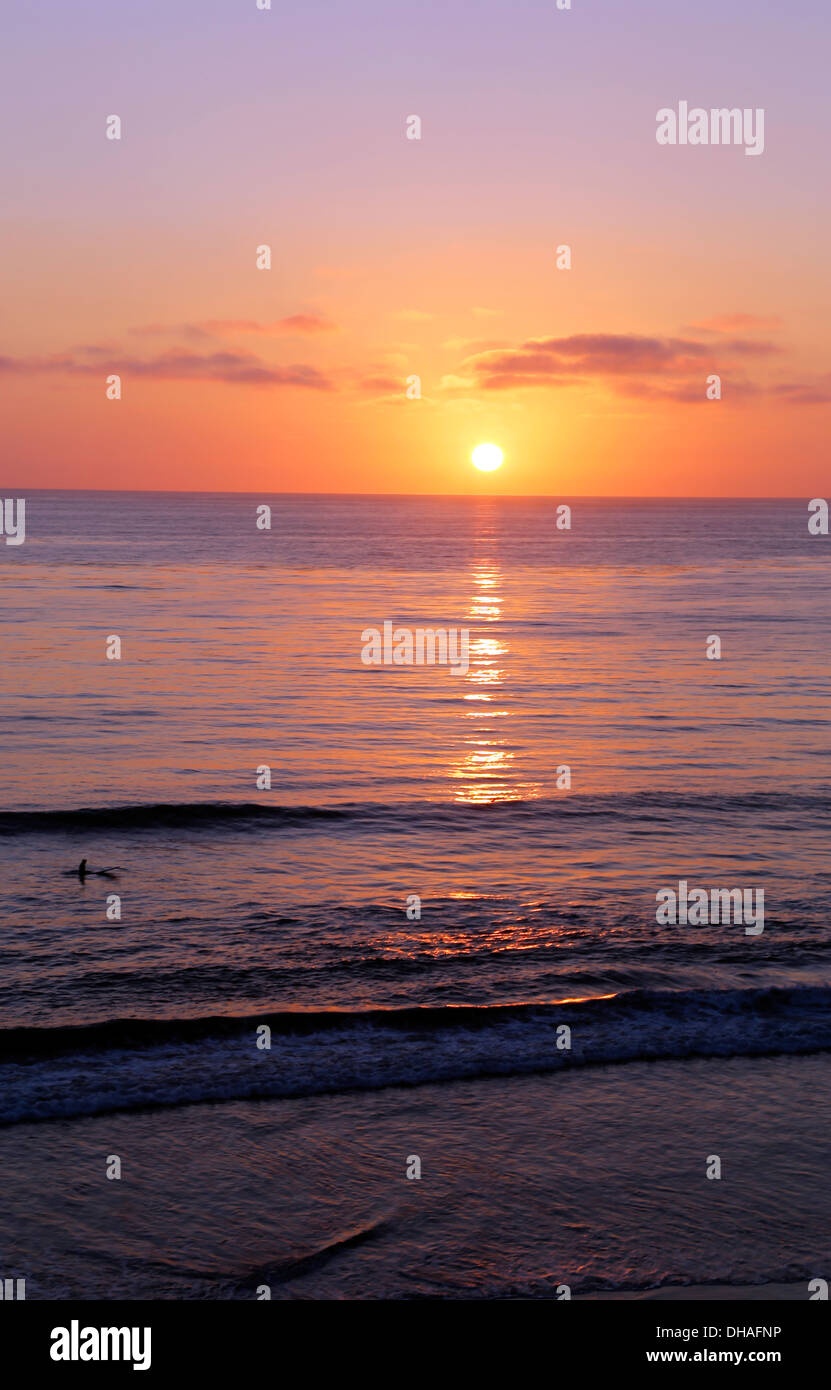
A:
(396, 257)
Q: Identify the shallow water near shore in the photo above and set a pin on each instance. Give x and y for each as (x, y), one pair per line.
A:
(595, 1180)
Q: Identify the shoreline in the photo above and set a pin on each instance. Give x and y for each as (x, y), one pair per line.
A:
(526, 1184)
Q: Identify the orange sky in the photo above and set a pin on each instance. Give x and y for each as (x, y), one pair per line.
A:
(394, 258)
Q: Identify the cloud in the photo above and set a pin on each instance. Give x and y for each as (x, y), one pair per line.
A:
(744, 347)
(730, 323)
(481, 313)
(294, 325)
(814, 392)
(234, 368)
(689, 392)
(413, 316)
(632, 364)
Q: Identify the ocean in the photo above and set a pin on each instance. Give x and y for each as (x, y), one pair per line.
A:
(443, 907)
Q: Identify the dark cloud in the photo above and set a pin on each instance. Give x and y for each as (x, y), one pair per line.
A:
(633, 364)
(235, 368)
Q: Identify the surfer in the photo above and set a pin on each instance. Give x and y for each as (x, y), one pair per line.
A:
(111, 871)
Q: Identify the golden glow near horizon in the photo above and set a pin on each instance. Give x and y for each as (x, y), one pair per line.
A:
(487, 457)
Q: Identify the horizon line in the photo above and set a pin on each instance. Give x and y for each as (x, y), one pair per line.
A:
(455, 496)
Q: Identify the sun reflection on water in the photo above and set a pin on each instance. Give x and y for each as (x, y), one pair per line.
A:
(486, 771)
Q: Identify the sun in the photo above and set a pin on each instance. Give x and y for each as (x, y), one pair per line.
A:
(487, 457)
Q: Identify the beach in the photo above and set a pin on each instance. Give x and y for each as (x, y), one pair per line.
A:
(593, 1180)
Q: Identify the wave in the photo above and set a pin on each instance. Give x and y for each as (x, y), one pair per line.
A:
(135, 1063)
(195, 815)
(160, 815)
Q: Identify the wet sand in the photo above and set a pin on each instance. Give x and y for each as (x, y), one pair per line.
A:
(707, 1293)
(585, 1179)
